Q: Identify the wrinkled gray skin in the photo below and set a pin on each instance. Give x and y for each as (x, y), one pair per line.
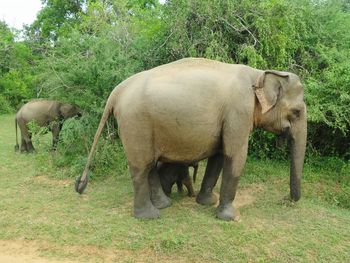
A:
(171, 173)
(193, 109)
(43, 113)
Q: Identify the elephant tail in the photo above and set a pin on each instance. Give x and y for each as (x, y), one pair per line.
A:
(17, 145)
(81, 181)
(195, 170)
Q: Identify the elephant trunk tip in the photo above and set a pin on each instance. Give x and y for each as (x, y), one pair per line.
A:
(80, 184)
(16, 148)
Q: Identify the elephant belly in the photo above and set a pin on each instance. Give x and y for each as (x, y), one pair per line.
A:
(177, 120)
(186, 144)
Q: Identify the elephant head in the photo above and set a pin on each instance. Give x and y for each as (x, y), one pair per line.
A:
(282, 111)
(69, 111)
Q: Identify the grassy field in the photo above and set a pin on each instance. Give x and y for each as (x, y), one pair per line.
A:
(43, 219)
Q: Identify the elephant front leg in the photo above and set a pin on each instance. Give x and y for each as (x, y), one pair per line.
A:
(232, 170)
(158, 197)
(212, 172)
(143, 207)
(56, 128)
(188, 183)
(179, 185)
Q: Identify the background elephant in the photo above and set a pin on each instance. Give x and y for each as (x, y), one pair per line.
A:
(171, 173)
(193, 109)
(43, 113)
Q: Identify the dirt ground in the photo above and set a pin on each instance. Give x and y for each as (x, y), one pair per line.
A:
(21, 251)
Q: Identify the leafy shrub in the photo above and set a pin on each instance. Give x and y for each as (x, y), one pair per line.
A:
(76, 139)
(263, 145)
(335, 176)
(5, 106)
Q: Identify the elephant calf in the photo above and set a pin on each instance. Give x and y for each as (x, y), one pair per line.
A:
(43, 113)
(176, 173)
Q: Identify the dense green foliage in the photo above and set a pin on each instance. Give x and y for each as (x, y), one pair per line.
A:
(78, 51)
(16, 72)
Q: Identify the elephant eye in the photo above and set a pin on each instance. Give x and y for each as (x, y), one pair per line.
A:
(296, 112)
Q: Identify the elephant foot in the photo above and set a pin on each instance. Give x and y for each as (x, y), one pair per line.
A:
(16, 148)
(227, 213)
(30, 147)
(160, 200)
(31, 150)
(23, 149)
(206, 198)
(191, 194)
(148, 212)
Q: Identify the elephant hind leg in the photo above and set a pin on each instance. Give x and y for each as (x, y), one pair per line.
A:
(26, 142)
(159, 196)
(138, 146)
(143, 207)
(56, 128)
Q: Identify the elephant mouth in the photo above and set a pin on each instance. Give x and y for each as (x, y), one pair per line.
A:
(284, 133)
(282, 137)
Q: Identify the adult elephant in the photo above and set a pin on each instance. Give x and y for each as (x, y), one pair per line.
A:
(44, 113)
(193, 109)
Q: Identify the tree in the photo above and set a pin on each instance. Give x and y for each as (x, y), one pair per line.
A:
(16, 73)
(55, 19)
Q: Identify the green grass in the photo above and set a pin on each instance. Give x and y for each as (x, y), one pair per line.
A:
(98, 226)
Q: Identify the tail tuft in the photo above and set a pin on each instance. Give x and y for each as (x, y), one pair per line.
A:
(80, 185)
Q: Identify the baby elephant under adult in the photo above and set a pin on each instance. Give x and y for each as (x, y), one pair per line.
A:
(43, 113)
(171, 173)
(194, 109)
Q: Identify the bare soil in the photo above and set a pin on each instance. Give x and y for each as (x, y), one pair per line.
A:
(20, 251)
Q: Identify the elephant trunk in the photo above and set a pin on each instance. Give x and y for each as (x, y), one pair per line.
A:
(297, 142)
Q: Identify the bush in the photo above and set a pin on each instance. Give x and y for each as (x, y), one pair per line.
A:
(5, 106)
(76, 138)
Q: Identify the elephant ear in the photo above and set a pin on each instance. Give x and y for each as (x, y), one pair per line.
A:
(268, 88)
(65, 110)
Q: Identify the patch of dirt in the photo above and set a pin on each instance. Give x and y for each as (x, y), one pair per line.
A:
(19, 251)
(246, 196)
(24, 251)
